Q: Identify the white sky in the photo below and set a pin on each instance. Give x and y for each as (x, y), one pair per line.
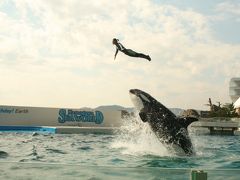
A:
(58, 53)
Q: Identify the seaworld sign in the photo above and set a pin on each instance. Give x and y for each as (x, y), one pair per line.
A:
(68, 115)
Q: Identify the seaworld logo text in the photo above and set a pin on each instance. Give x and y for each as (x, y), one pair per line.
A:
(80, 116)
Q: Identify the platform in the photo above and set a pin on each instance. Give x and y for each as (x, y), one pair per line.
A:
(59, 129)
(218, 128)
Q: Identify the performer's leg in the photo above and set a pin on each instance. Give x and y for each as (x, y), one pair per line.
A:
(132, 53)
(144, 56)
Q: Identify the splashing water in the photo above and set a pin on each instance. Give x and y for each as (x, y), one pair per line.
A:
(136, 138)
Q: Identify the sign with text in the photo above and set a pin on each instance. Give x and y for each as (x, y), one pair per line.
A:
(68, 115)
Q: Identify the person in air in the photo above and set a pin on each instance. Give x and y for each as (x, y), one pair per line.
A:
(129, 52)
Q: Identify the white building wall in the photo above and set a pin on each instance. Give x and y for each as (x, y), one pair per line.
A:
(234, 89)
(41, 116)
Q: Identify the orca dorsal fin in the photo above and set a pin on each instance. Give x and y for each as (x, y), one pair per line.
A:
(186, 121)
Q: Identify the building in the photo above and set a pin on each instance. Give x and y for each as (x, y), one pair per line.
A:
(237, 106)
(234, 89)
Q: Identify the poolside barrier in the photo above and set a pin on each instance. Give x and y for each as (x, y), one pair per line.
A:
(198, 175)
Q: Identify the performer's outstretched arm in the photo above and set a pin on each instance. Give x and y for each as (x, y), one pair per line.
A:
(116, 53)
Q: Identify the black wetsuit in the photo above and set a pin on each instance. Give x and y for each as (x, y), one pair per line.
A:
(130, 52)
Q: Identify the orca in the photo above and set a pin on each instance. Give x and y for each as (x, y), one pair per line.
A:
(169, 129)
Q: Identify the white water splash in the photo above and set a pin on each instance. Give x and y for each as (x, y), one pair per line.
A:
(136, 138)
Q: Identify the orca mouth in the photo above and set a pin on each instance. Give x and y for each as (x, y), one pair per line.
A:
(133, 91)
(136, 100)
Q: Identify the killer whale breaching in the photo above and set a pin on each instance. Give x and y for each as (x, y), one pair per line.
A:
(170, 129)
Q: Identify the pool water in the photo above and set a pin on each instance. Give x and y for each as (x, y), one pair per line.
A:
(133, 151)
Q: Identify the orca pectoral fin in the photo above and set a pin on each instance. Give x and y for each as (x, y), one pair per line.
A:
(186, 121)
(143, 116)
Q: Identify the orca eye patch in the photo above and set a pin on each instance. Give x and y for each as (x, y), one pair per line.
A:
(144, 97)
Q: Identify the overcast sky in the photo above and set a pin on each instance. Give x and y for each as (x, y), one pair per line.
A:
(59, 53)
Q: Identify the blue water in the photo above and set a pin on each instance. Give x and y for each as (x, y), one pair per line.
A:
(133, 151)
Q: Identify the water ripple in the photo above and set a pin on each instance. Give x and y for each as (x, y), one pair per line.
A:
(56, 151)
